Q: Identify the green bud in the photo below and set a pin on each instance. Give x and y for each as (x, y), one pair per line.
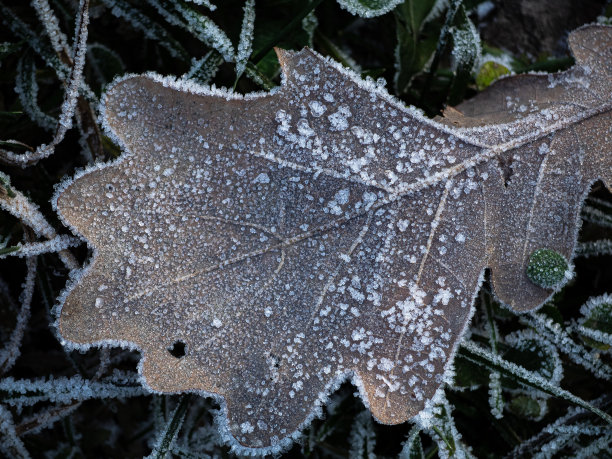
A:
(547, 268)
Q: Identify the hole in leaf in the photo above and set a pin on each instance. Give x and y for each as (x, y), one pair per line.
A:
(506, 169)
(177, 349)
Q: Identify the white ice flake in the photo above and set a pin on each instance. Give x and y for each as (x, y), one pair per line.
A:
(246, 427)
(339, 119)
(262, 178)
(316, 108)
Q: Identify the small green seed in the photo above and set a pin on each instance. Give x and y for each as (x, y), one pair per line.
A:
(547, 268)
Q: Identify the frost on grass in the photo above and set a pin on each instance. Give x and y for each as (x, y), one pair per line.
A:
(245, 46)
(197, 24)
(11, 351)
(572, 435)
(28, 392)
(10, 443)
(287, 241)
(26, 88)
(596, 324)
(73, 84)
(369, 8)
(362, 438)
(151, 29)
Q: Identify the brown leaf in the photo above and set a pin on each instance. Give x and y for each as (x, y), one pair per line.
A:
(546, 179)
(322, 231)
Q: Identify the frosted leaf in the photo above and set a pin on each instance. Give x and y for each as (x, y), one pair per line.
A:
(412, 448)
(410, 59)
(42, 48)
(309, 25)
(167, 436)
(568, 430)
(496, 398)
(45, 417)
(598, 447)
(104, 63)
(14, 202)
(28, 392)
(56, 244)
(539, 356)
(594, 215)
(203, 70)
(466, 46)
(324, 254)
(530, 379)
(541, 198)
(553, 332)
(437, 420)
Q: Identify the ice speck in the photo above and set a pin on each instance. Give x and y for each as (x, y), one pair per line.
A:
(339, 119)
(246, 427)
(316, 108)
(403, 225)
(262, 178)
(342, 196)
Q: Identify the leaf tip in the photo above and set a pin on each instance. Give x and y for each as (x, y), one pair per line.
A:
(283, 56)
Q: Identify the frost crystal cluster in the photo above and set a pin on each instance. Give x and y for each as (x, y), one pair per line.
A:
(290, 240)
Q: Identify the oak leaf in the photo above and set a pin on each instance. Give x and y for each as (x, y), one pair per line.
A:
(261, 249)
